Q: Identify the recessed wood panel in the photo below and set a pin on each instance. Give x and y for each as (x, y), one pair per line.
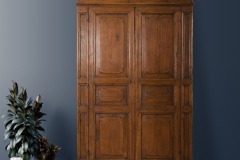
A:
(186, 95)
(111, 45)
(156, 96)
(112, 95)
(157, 136)
(82, 136)
(187, 47)
(157, 45)
(186, 136)
(82, 95)
(111, 136)
(82, 45)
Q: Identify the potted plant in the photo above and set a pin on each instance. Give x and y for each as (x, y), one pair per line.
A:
(22, 124)
(47, 151)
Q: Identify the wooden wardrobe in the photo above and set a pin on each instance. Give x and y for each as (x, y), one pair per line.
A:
(134, 79)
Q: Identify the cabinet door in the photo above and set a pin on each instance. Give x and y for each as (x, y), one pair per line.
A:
(158, 50)
(111, 82)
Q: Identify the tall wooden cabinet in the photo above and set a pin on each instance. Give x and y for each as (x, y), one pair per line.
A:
(134, 79)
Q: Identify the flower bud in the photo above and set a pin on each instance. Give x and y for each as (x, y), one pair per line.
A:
(38, 98)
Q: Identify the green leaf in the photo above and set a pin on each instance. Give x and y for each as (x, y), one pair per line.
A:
(8, 121)
(9, 126)
(30, 139)
(29, 100)
(28, 107)
(31, 121)
(17, 125)
(12, 108)
(7, 116)
(20, 115)
(19, 138)
(25, 146)
(30, 115)
(13, 152)
(20, 130)
(26, 156)
(35, 146)
(10, 98)
(20, 104)
(11, 112)
(19, 120)
(40, 128)
(20, 150)
(13, 143)
(31, 131)
(7, 134)
(31, 150)
(8, 147)
(40, 114)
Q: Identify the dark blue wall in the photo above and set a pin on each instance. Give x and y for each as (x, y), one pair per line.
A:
(38, 50)
(216, 127)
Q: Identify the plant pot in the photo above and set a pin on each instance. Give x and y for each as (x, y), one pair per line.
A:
(16, 158)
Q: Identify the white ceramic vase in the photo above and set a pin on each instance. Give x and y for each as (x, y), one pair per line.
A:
(16, 158)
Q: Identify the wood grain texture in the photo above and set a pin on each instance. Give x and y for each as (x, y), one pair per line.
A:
(112, 136)
(160, 144)
(111, 62)
(134, 79)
